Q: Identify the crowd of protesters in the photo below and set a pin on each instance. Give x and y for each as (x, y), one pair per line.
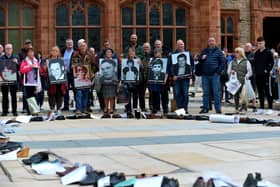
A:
(257, 64)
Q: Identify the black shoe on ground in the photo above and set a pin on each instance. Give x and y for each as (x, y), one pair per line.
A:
(203, 111)
(65, 109)
(228, 101)
(218, 112)
(4, 114)
(15, 114)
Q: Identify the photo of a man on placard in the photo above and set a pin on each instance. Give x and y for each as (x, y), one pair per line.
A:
(57, 72)
(81, 76)
(181, 65)
(8, 71)
(108, 70)
(32, 77)
(130, 70)
(157, 70)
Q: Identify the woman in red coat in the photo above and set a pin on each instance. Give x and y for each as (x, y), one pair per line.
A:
(31, 70)
(57, 87)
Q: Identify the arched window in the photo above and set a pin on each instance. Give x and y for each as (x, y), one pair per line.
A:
(78, 19)
(152, 20)
(16, 23)
(229, 29)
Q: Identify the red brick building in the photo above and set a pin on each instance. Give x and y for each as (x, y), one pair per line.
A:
(51, 22)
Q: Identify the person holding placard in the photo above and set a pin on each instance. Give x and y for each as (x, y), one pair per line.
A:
(9, 71)
(31, 69)
(56, 90)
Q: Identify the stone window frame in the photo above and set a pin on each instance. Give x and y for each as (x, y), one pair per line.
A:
(161, 26)
(234, 15)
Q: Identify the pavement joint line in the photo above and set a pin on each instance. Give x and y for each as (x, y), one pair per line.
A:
(164, 161)
(158, 140)
(6, 172)
(227, 149)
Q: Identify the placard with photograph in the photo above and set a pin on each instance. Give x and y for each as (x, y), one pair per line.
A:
(81, 76)
(32, 77)
(56, 69)
(157, 70)
(8, 70)
(130, 70)
(181, 64)
(108, 70)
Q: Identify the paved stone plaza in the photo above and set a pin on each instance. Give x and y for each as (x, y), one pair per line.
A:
(176, 148)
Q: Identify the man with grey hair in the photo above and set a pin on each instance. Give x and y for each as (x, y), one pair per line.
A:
(70, 80)
(85, 59)
(11, 67)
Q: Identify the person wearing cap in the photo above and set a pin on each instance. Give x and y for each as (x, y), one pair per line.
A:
(83, 57)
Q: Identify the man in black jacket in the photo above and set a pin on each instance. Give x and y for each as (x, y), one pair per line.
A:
(263, 63)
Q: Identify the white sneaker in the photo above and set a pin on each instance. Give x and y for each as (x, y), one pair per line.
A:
(51, 116)
(268, 112)
(259, 112)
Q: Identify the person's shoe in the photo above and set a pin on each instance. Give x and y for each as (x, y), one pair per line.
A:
(4, 114)
(15, 114)
(77, 112)
(65, 109)
(259, 112)
(250, 181)
(218, 112)
(105, 116)
(203, 111)
(268, 112)
(254, 109)
(228, 101)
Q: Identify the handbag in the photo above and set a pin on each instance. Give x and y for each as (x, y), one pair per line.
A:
(233, 84)
(123, 95)
(33, 106)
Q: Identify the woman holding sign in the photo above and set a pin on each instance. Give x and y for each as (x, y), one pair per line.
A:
(109, 80)
(55, 71)
(30, 68)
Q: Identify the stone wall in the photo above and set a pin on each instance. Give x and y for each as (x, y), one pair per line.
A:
(245, 17)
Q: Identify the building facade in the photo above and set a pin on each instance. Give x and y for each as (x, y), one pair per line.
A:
(49, 23)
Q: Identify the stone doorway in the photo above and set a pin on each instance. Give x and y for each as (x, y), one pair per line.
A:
(271, 30)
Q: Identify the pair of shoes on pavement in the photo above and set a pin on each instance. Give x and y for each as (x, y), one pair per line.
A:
(205, 111)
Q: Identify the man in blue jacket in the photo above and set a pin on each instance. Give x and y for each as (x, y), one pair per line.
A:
(213, 64)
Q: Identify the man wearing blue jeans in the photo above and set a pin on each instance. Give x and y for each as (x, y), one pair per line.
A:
(213, 64)
(181, 71)
(83, 68)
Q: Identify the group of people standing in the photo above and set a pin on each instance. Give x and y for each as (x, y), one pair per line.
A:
(83, 70)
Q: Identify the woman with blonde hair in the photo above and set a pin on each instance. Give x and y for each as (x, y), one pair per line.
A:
(56, 91)
(242, 67)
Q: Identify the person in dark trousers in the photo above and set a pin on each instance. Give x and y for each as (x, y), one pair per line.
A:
(263, 64)
(22, 54)
(213, 64)
(158, 90)
(44, 81)
(70, 79)
(12, 87)
(249, 53)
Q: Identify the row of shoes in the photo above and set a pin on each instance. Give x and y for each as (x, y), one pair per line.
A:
(250, 181)
(86, 175)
